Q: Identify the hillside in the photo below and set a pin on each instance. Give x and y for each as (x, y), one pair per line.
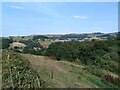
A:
(73, 64)
(63, 74)
(65, 36)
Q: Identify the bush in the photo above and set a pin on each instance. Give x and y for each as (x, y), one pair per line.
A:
(5, 43)
(18, 73)
(32, 47)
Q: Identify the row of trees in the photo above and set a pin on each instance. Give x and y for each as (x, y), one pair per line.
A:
(41, 37)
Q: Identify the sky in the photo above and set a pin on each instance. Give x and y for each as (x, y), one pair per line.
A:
(28, 18)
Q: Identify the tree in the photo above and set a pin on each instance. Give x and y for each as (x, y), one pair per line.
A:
(41, 37)
(5, 43)
(10, 39)
(32, 47)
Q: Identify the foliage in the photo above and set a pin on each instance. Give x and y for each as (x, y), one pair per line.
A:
(36, 37)
(62, 51)
(74, 50)
(80, 36)
(5, 43)
(103, 55)
(18, 73)
(33, 47)
(10, 39)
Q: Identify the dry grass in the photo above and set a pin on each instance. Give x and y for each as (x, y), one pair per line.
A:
(46, 43)
(14, 44)
(63, 74)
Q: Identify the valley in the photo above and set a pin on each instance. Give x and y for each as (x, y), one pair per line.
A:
(59, 64)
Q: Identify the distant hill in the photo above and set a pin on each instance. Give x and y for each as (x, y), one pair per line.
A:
(66, 36)
(84, 35)
(41, 37)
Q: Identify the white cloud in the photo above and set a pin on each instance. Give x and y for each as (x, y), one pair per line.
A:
(80, 17)
(16, 7)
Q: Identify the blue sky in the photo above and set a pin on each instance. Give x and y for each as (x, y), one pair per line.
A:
(27, 18)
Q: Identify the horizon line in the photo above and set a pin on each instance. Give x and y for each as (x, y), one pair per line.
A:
(60, 34)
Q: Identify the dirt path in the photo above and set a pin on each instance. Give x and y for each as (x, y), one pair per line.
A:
(44, 62)
(58, 74)
(47, 65)
(73, 64)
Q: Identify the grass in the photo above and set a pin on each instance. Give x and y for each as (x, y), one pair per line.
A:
(67, 75)
(79, 77)
(84, 77)
(45, 43)
(39, 70)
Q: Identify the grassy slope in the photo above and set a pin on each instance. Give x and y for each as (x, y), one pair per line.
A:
(62, 74)
(46, 43)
